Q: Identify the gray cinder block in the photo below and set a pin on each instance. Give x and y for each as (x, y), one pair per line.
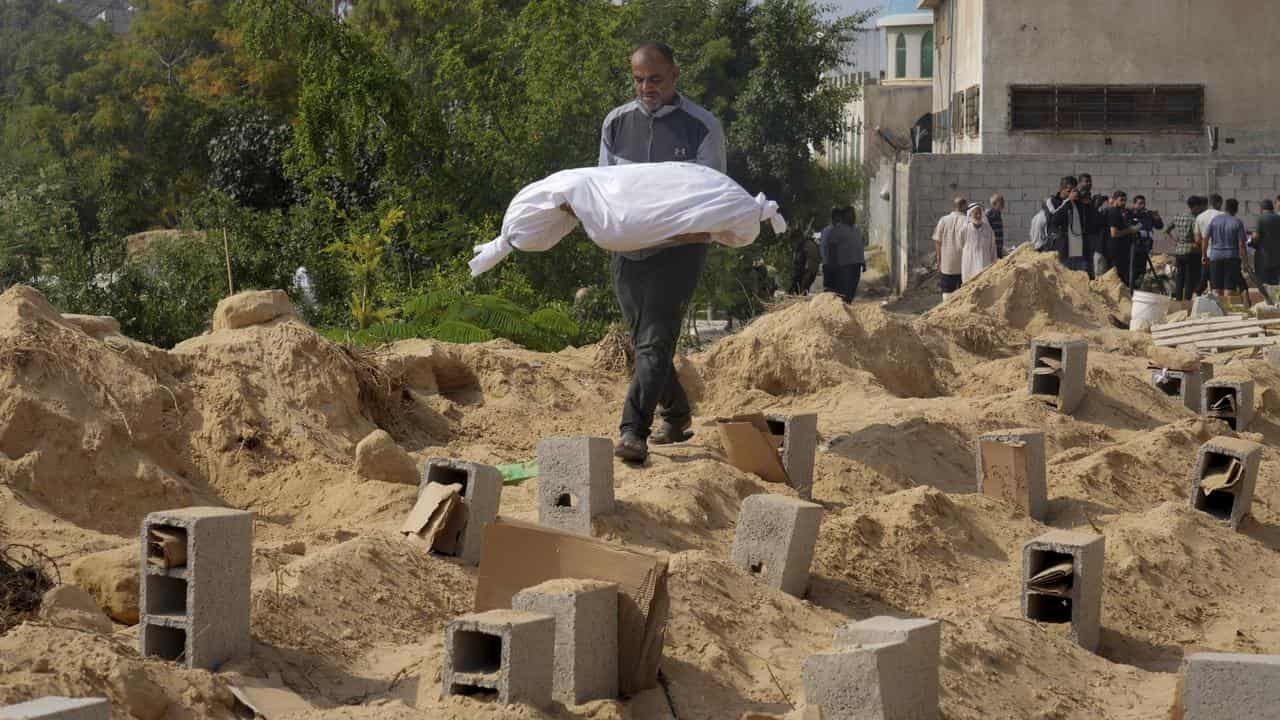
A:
(481, 496)
(1241, 393)
(58, 708)
(575, 482)
(1182, 384)
(775, 539)
(586, 642)
(799, 448)
(1216, 456)
(197, 613)
(880, 681)
(1080, 601)
(923, 640)
(1025, 486)
(504, 651)
(1224, 686)
(1057, 372)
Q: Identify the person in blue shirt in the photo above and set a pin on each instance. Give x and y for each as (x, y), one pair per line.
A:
(1224, 250)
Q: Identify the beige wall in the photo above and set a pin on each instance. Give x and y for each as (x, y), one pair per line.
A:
(895, 109)
(958, 35)
(1227, 46)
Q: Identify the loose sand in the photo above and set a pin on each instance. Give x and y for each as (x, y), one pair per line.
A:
(96, 431)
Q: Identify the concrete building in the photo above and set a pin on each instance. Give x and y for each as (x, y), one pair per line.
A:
(1094, 76)
(892, 110)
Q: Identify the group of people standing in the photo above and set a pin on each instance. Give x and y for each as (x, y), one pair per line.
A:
(968, 240)
(1209, 234)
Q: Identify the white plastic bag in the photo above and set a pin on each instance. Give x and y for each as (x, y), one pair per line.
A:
(624, 208)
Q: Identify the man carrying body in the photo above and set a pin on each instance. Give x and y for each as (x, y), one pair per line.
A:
(1266, 244)
(946, 243)
(1226, 247)
(655, 285)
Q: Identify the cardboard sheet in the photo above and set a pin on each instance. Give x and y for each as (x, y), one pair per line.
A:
(1004, 472)
(518, 555)
(268, 698)
(752, 447)
(437, 517)
(166, 548)
(1055, 579)
(1225, 480)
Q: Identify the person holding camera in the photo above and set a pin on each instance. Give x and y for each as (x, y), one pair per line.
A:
(1148, 222)
(1067, 226)
(1124, 230)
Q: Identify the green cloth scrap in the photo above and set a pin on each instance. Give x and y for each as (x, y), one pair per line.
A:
(516, 473)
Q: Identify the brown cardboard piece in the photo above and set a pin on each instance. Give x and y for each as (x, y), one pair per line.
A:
(752, 447)
(166, 548)
(1055, 579)
(1224, 480)
(1004, 472)
(519, 555)
(268, 698)
(438, 517)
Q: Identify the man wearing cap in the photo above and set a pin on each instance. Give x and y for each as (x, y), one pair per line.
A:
(654, 286)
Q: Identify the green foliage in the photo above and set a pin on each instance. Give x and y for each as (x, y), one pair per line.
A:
(294, 131)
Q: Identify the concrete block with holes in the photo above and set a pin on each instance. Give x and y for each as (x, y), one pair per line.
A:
(481, 496)
(1228, 400)
(586, 635)
(505, 652)
(1075, 594)
(194, 604)
(774, 541)
(884, 681)
(575, 482)
(1183, 384)
(799, 448)
(1011, 467)
(58, 708)
(1227, 686)
(1057, 372)
(1226, 473)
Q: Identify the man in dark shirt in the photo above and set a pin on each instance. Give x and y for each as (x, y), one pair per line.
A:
(1123, 232)
(655, 286)
(1148, 222)
(1094, 226)
(995, 218)
(1266, 244)
(842, 254)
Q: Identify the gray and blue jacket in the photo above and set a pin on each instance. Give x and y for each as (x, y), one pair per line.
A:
(680, 132)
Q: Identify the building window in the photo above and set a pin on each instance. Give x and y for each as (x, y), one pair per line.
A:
(900, 63)
(972, 111)
(957, 114)
(1106, 108)
(926, 55)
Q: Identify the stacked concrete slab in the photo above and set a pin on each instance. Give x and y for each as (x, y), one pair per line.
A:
(883, 667)
(507, 652)
(575, 482)
(1023, 486)
(799, 448)
(1242, 393)
(197, 613)
(1057, 372)
(1080, 603)
(1223, 686)
(1186, 385)
(1231, 506)
(775, 539)
(58, 708)
(481, 496)
(586, 636)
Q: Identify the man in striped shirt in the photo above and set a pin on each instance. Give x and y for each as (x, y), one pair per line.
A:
(1186, 250)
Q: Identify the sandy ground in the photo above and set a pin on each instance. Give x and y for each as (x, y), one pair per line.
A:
(97, 431)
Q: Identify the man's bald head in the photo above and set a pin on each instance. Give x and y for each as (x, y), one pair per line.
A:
(654, 73)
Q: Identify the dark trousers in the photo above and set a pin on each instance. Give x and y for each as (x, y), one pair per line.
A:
(1269, 275)
(654, 294)
(842, 280)
(1188, 283)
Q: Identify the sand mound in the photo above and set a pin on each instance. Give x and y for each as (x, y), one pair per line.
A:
(92, 436)
(1023, 295)
(810, 346)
